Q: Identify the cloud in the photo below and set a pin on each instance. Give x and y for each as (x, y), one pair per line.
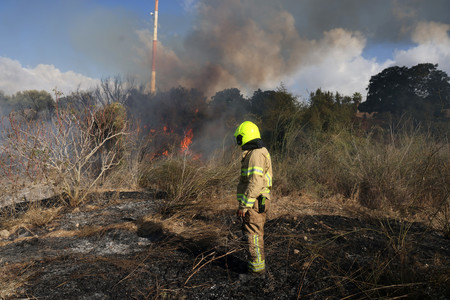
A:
(338, 65)
(343, 68)
(433, 46)
(14, 77)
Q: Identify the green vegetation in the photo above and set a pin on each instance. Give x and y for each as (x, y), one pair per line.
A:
(421, 91)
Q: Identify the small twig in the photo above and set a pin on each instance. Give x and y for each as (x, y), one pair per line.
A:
(387, 287)
(203, 258)
(209, 261)
(313, 258)
(132, 272)
(26, 227)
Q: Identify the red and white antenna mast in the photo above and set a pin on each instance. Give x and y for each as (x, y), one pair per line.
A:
(155, 39)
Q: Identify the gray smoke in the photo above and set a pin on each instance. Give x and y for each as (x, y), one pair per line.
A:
(256, 44)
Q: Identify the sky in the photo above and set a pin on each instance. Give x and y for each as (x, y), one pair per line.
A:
(212, 45)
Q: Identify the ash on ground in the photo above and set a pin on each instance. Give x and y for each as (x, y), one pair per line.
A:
(127, 249)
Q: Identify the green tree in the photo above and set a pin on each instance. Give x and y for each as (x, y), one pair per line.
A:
(422, 90)
(328, 111)
(277, 112)
(33, 104)
(229, 105)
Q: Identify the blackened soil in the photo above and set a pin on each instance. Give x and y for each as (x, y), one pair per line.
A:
(125, 256)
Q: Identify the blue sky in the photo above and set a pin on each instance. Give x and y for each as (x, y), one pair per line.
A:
(216, 44)
(39, 32)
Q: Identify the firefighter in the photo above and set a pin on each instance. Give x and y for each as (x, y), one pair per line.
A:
(253, 193)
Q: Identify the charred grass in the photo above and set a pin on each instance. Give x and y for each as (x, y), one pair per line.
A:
(198, 254)
(12, 278)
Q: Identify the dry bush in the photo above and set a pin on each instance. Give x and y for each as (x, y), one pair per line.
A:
(311, 164)
(74, 150)
(136, 146)
(190, 182)
(409, 174)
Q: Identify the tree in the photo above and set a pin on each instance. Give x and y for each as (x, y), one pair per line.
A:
(278, 111)
(33, 104)
(5, 104)
(328, 111)
(422, 90)
(229, 104)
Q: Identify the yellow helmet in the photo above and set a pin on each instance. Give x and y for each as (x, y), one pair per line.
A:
(246, 132)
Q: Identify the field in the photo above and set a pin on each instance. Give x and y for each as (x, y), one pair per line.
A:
(120, 245)
(95, 205)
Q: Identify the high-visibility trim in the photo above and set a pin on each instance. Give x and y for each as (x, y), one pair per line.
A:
(258, 252)
(269, 183)
(259, 264)
(251, 171)
(269, 180)
(256, 266)
(248, 202)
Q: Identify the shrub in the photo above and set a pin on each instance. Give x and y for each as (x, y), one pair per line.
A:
(407, 173)
(67, 151)
(189, 182)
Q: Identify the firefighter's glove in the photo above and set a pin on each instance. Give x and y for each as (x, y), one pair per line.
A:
(241, 212)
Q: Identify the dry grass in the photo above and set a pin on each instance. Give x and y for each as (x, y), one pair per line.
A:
(94, 230)
(34, 217)
(190, 182)
(12, 278)
(408, 173)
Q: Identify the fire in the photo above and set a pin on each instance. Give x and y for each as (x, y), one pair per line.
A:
(187, 140)
(165, 136)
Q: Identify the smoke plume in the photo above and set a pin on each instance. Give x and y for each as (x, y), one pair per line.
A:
(258, 44)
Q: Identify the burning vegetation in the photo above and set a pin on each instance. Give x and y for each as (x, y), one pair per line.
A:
(386, 179)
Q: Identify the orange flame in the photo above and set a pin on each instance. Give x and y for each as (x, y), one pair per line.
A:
(187, 140)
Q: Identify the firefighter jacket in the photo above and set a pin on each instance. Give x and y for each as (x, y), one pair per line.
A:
(256, 176)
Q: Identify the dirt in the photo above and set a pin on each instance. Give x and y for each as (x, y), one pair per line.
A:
(122, 247)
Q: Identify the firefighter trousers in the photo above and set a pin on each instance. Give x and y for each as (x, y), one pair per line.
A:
(253, 229)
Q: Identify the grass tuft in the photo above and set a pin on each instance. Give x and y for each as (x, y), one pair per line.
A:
(189, 183)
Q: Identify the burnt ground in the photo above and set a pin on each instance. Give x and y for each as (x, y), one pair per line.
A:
(124, 247)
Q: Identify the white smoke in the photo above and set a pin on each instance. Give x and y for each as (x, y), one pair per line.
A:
(337, 65)
(343, 67)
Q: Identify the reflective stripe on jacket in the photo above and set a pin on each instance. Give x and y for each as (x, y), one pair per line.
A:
(256, 177)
